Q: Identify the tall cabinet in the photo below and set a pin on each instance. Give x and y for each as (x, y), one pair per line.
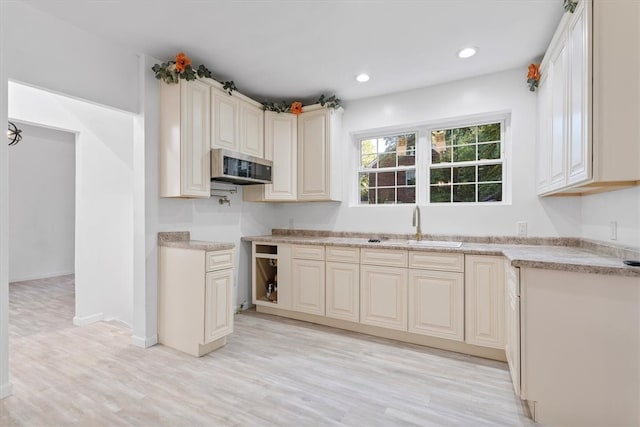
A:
(589, 101)
(184, 155)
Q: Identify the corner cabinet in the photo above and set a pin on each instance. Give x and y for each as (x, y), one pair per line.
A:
(589, 101)
(195, 299)
(237, 123)
(484, 300)
(306, 157)
(185, 110)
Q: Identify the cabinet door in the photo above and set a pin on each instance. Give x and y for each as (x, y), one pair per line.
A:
(251, 130)
(436, 304)
(313, 155)
(579, 144)
(195, 170)
(545, 130)
(484, 301)
(280, 140)
(218, 313)
(557, 166)
(225, 121)
(343, 291)
(383, 296)
(308, 286)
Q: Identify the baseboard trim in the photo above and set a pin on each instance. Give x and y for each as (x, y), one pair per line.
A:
(40, 276)
(5, 390)
(145, 342)
(86, 320)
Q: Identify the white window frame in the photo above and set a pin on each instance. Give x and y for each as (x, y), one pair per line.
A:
(423, 156)
(378, 135)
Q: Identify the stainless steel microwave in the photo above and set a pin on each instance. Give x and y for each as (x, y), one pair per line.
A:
(237, 168)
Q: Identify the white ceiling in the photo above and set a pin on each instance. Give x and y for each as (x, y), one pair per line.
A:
(297, 49)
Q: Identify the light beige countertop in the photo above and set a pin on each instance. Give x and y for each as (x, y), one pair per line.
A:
(563, 254)
(182, 239)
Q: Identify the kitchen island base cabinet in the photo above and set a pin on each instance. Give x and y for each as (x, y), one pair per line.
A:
(580, 347)
(484, 300)
(195, 306)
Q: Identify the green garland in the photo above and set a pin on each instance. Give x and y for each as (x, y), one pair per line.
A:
(570, 5)
(284, 107)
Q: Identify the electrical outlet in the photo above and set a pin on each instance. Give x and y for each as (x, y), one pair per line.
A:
(522, 228)
(613, 230)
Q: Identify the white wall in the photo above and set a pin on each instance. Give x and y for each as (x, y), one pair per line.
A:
(104, 197)
(46, 52)
(41, 204)
(622, 206)
(505, 91)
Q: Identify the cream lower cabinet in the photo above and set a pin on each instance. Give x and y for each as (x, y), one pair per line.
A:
(436, 303)
(308, 279)
(195, 299)
(484, 301)
(383, 288)
(512, 324)
(343, 283)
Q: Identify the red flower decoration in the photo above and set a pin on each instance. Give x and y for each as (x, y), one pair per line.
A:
(296, 108)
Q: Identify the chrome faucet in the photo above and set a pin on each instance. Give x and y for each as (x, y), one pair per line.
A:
(416, 222)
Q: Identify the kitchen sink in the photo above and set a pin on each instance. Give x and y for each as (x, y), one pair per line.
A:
(434, 243)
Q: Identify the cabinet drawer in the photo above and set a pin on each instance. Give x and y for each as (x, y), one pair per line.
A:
(436, 261)
(342, 254)
(308, 252)
(218, 260)
(386, 257)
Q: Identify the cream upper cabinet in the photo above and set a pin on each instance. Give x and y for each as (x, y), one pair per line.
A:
(436, 303)
(281, 147)
(237, 123)
(484, 301)
(308, 279)
(589, 89)
(383, 296)
(306, 157)
(218, 305)
(184, 139)
(318, 154)
(251, 130)
(225, 120)
(343, 283)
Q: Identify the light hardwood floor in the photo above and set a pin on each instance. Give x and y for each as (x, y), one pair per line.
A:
(272, 372)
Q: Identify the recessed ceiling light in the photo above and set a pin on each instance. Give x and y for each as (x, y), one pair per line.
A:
(467, 52)
(362, 77)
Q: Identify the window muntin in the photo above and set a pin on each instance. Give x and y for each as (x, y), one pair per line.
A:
(466, 164)
(387, 173)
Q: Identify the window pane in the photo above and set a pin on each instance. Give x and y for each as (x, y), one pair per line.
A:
(386, 195)
(364, 187)
(490, 132)
(387, 160)
(369, 161)
(490, 192)
(372, 196)
(406, 178)
(440, 175)
(440, 193)
(464, 174)
(441, 155)
(368, 146)
(464, 193)
(411, 144)
(489, 173)
(406, 194)
(386, 179)
(489, 151)
(388, 144)
(465, 153)
(406, 160)
(464, 136)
